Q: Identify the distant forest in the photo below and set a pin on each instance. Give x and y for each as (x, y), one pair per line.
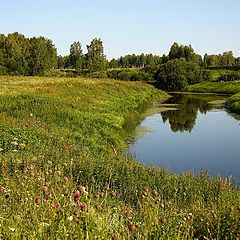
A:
(182, 66)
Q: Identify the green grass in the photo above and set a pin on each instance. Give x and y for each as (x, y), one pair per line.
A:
(64, 175)
(215, 87)
(233, 103)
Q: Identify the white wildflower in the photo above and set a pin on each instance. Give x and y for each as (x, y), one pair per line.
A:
(12, 229)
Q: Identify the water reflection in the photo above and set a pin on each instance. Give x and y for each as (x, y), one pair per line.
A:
(196, 137)
(184, 117)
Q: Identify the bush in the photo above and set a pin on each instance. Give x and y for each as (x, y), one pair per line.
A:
(127, 74)
(101, 74)
(231, 76)
(3, 70)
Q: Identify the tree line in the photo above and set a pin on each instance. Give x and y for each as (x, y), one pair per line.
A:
(26, 56)
(20, 55)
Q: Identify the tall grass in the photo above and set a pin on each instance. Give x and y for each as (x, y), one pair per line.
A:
(63, 173)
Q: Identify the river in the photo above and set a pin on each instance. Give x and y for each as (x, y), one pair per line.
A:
(191, 133)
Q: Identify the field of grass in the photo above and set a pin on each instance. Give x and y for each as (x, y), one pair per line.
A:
(233, 103)
(64, 174)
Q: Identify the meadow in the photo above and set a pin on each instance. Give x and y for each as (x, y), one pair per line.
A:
(64, 173)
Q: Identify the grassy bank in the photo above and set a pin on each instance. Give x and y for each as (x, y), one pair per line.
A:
(215, 87)
(233, 103)
(63, 174)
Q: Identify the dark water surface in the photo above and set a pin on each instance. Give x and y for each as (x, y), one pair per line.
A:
(197, 136)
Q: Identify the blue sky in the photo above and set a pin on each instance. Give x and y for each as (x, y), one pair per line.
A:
(128, 26)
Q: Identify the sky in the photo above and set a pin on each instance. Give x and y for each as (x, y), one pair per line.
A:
(128, 26)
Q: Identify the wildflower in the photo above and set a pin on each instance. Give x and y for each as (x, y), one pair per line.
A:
(70, 218)
(37, 199)
(15, 150)
(81, 206)
(83, 190)
(31, 114)
(76, 196)
(12, 229)
(132, 226)
(47, 197)
(14, 143)
(57, 206)
(2, 189)
(1, 149)
(22, 145)
(114, 194)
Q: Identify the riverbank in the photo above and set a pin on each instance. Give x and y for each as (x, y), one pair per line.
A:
(63, 176)
(233, 103)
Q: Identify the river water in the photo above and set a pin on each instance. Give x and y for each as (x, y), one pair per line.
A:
(195, 134)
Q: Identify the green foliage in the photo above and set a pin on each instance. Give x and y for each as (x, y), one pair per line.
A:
(127, 74)
(135, 61)
(23, 56)
(230, 76)
(43, 56)
(178, 73)
(95, 58)
(16, 53)
(226, 59)
(180, 51)
(234, 103)
(63, 62)
(76, 59)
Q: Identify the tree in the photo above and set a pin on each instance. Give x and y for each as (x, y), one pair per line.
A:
(237, 61)
(113, 63)
(228, 59)
(43, 56)
(212, 60)
(3, 68)
(76, 56)
(174, 51)
(178, 73)
(95, 58)
(16, 51)
(180, 51)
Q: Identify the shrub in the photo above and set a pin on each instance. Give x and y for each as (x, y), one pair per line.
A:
(3, 70)
(231, 76)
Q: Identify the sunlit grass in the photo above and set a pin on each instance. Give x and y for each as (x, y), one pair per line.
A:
(64, 175)
(233, 103)
(215, 87)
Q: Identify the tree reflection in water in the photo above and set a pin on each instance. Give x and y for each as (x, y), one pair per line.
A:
(184, 118)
